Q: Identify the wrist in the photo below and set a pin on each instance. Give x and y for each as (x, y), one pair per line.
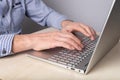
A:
(66, 23)
(21, 43)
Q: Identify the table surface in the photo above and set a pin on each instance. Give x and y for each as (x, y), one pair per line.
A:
(22, 67)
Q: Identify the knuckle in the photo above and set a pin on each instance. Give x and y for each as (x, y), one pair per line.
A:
(71, 36)
(60, 43)
(69, 46)
(65, 44)
(77, 23)
(74, 43)
(60, 33)
(88, 27)
(68, 40)
(57, 33)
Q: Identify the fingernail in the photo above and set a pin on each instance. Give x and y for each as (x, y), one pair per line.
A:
(92, 38)
(82, 45)
(88, 35)
(79, 48)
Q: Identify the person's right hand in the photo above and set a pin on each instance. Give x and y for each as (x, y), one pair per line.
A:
(49, 40)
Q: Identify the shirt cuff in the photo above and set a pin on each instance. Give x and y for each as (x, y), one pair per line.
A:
(6, 44)
(55, 19)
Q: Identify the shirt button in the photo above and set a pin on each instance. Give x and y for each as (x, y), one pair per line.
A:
(13, 6)
(4, 51)
(3, 16)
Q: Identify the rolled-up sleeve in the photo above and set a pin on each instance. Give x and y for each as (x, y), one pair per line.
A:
(6, 44)
(42, 14)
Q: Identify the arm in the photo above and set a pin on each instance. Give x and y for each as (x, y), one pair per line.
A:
(20, 43)
(42, 14)
(44, 41)
(46, 16)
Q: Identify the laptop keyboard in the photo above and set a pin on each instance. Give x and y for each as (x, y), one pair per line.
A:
(74, 58)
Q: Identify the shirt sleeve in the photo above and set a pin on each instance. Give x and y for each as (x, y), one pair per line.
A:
(42, 14)
(6, 44)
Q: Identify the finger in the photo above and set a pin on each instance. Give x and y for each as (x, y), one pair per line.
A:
(93, 33)
(90, 31)
(74, 38)
(64, 45)
(69, 41)
(82, 30)
(87, 29)
(77, 40)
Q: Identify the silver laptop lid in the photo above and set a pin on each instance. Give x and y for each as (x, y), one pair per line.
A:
(109, 36)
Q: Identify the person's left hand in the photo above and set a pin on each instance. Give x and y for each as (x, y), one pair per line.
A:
(70, 26)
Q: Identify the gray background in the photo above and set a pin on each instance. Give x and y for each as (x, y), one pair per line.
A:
(90, 12)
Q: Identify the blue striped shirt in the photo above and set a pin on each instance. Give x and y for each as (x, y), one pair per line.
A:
(12, 13)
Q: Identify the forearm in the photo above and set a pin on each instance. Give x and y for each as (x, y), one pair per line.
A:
(21, 43)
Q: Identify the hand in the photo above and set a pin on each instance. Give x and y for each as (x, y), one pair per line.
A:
(54, 39)
(69, 26)
(49, 40)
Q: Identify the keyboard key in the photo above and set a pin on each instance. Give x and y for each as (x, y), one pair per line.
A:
(72, 58)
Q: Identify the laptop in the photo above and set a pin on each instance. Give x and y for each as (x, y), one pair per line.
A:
(83, 61)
